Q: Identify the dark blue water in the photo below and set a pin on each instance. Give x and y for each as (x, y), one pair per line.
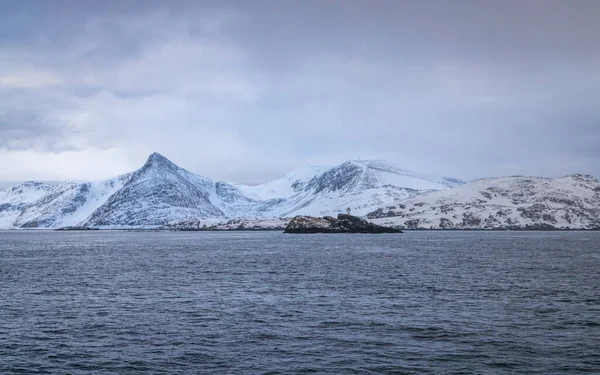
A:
(253, 303)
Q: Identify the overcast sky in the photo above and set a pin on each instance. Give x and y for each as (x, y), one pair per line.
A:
(244, 91)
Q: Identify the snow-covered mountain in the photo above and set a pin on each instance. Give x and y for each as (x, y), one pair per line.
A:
(163, 194)
(517, 202)
(157, 194)
(284, 187)
(359, 185)
(68, 204)
(17, 198)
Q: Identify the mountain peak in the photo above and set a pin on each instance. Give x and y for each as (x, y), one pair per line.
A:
(377, 164)
(156, 160)
(155, 156)
(30, 185)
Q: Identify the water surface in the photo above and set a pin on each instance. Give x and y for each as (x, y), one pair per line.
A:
(265, 302)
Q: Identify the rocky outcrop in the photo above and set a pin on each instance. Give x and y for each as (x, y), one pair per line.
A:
(343, 224)
(231, 225)
(74, 228)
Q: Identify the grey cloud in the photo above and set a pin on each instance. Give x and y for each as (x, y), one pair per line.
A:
(246, 90)
(26, 130)
(20, 130)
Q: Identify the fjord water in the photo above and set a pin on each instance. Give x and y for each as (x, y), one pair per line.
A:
(265, 302)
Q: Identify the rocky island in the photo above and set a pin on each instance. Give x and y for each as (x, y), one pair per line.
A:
(75, 227)
(343, 224)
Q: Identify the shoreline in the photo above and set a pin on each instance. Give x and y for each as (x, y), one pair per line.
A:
(282, 229)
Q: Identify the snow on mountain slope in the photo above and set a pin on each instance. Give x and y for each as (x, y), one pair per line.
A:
(283, 187)
(366, 174)
(15, 199)
(27, 192)
(359, 184)
(159, 193)
(516, 202)
(68, 204)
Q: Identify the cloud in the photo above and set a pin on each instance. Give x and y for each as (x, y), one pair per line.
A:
(29, 79)
(82, 165)
(245, 92)
(181, 81)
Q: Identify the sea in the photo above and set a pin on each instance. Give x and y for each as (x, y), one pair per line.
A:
(421, 302)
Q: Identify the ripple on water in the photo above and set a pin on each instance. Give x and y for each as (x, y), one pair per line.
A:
(422, 302)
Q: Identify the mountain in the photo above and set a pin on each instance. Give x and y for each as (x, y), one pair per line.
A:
(157, 194)
(359, 185)
(17, 198)
(516, 202)
(68, 204)
(161, 193)
(284, 187)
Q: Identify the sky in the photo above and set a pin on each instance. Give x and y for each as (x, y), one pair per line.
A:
(245, 91)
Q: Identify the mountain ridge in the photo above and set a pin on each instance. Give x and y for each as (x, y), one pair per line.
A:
(160, 193)
(511, 202)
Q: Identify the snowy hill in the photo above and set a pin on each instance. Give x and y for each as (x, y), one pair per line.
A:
(517, 202)
(68, 204)
(157, 194)
(17, 198)
(359, 184)
(161, 193)
(284, 187)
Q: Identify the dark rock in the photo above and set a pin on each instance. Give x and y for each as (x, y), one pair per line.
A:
(533, 212)
(490, 222)
(446, 223)
(498, 191)
(343, 224)
(412, 223)
(540, 226)
(470, 220)
(486, 194)
(77, 228)
(30, 224)
(378, 213)
(563, 201)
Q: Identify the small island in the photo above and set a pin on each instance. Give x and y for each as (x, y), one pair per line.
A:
(76, 227)
(343, 224)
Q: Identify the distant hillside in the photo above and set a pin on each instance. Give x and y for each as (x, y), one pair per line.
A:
(517, 202)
